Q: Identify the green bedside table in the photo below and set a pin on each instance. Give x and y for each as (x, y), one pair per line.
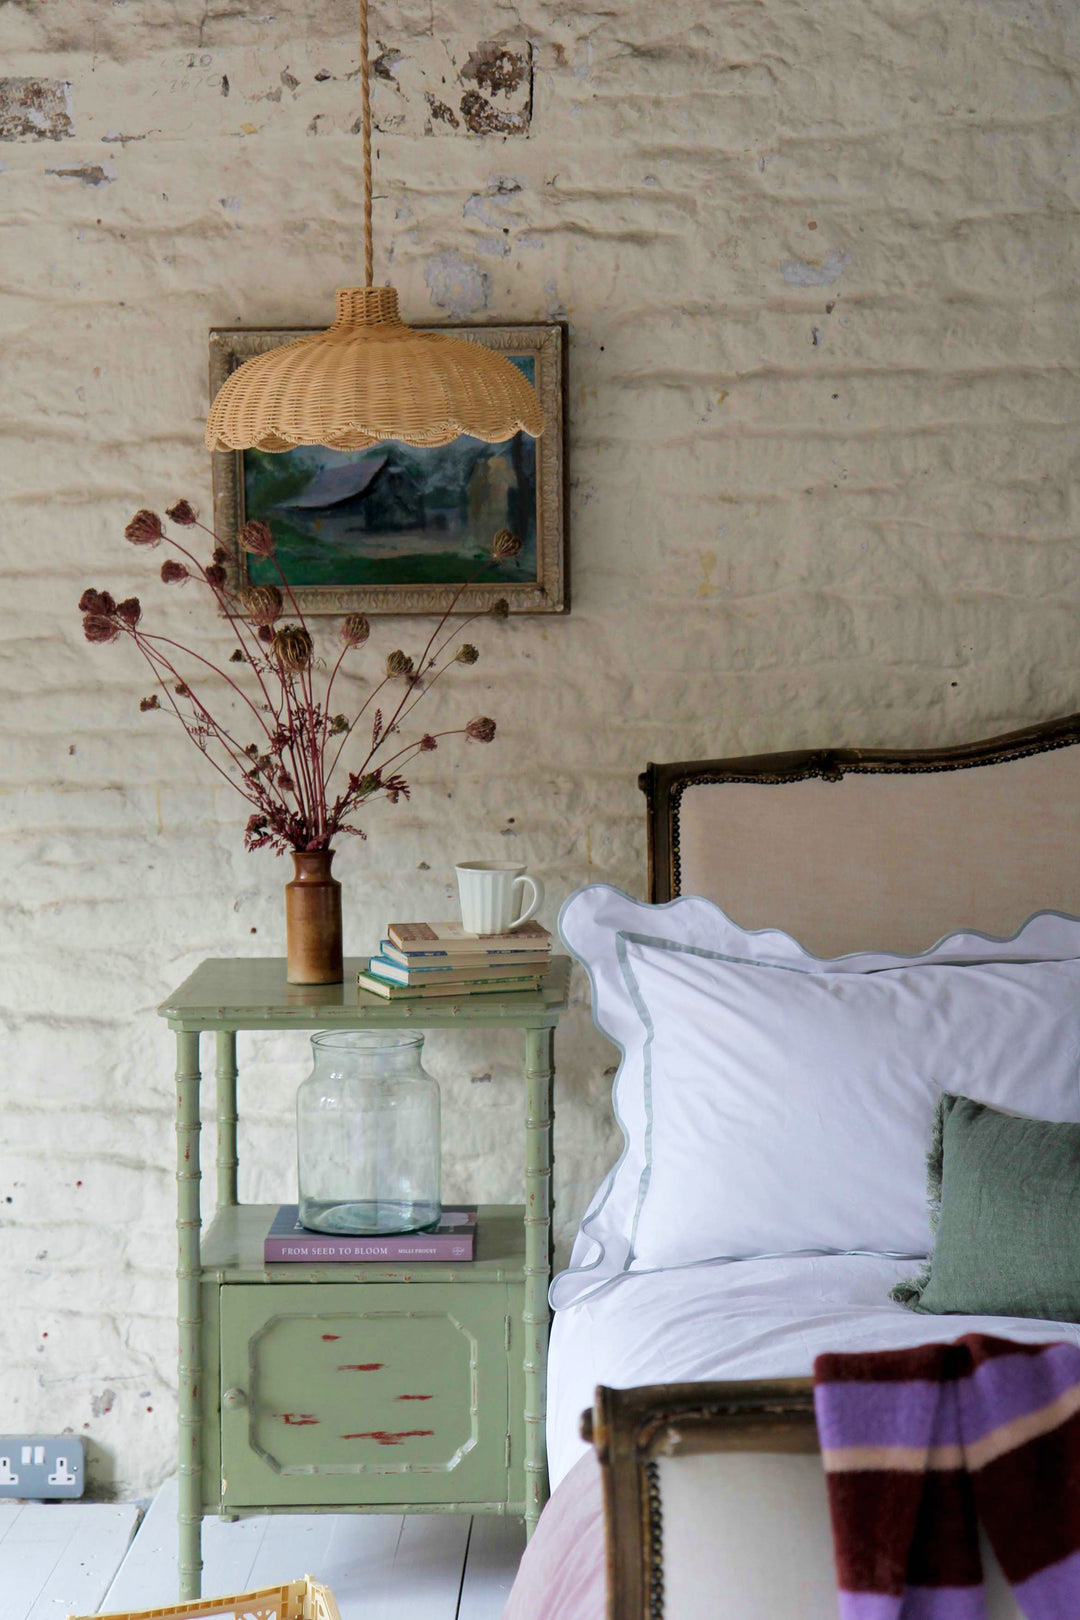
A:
(356, 1388)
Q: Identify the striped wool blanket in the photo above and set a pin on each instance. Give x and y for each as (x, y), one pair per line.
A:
(921, 1445)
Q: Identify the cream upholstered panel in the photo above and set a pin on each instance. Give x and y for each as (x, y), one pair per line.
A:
(890, 860)
(746, 1536)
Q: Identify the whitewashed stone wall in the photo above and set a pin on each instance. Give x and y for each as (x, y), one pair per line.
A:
(819, 268)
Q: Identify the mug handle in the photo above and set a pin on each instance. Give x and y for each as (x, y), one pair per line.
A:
(534, 905)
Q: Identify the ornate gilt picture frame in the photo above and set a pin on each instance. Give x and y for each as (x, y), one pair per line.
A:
(395, 529)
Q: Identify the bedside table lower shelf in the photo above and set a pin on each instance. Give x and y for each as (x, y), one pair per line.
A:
(365, 1387)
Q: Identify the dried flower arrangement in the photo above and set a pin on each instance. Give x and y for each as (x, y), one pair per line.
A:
(287, 773)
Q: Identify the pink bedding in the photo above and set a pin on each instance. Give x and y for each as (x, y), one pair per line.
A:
(562, 1575)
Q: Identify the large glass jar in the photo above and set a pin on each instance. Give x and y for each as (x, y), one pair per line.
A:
(368, 1135)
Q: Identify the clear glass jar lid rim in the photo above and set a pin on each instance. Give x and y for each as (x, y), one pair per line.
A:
(373, 1039)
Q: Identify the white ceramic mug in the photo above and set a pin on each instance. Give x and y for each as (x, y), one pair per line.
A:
(488, 891)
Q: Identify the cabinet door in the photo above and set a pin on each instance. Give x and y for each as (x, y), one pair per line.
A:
(357, 1393)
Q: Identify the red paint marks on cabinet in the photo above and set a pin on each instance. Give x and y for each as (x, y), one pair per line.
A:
(415, 1397)
(297, 1419)
(388, 1437)
(328, 1336)
(362, 1366)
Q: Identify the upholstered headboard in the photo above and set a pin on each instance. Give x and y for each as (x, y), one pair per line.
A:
(856, 848)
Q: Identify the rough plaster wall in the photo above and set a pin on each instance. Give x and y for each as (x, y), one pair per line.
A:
(818, 264)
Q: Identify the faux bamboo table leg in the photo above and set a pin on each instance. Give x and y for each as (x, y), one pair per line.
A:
(539, 1044)
(227, 1159)
(189, 1312)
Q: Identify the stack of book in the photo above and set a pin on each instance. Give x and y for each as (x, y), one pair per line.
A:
(441, 959)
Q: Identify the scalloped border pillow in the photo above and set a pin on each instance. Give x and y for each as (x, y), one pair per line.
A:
(591, 924)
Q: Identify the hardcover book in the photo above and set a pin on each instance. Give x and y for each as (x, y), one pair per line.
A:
(287, 1241)
(462, 987)
(537, 958)
(450, 972)
(452, 938)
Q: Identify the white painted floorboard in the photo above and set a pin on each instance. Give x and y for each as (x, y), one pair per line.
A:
(379, 1566)
(58, 1558)
(495, 1549)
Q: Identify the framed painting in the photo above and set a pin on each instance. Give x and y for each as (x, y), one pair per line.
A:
(396, 529)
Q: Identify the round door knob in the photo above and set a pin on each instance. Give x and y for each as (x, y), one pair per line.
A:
(234, 1398)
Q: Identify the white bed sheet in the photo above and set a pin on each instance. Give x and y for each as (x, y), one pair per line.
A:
(740, 1319)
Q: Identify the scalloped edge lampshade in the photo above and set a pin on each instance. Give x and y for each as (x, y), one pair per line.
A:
(369, 378)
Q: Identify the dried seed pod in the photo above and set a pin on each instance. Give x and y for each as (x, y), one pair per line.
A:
(500, 609)
(293, 648)
(257, 538)
(262, 603)
(355, 630)
(466, 654)
(481, 729)
(505, 544)
(101, 602)
(183, 513)
(144, 529)
(172, 572)
(399, 663)
(96, 628)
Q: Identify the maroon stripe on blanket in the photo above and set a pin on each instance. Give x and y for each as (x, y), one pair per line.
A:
(945, 1549)
(897, 1529)
(1030, 1529)
(938, 1362)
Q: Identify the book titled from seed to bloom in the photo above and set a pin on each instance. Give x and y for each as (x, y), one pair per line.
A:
(259, 719)
(287, 1241)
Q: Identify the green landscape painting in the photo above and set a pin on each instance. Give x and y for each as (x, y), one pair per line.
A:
(393, 514)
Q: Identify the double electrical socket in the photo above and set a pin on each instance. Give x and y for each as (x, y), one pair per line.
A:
(42, 1467)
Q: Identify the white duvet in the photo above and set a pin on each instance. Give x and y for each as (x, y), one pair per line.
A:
(742, 1319)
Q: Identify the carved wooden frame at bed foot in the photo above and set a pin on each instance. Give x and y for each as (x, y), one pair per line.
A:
(634, 1429)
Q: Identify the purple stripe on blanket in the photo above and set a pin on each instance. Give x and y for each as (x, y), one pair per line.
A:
(917, 1603)
(914, 1414)
(1052, 1594)
(891, 1414)
(1010, 1386)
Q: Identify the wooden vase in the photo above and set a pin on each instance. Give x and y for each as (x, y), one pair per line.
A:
(313, 920)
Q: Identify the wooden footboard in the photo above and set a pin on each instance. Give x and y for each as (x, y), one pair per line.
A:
(639, 1433)
(715, 1505)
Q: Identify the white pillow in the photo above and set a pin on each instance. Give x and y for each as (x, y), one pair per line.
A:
(792, 1110)
(590, 924)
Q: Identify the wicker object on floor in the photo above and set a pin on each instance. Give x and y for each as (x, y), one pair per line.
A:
(297, 1600)
(369, 378)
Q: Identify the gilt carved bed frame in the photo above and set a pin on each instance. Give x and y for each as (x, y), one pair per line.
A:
(849, 849)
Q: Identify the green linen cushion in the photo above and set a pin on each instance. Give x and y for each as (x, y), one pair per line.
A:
(1005, 1206)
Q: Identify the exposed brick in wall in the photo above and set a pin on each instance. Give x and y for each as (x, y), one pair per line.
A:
(819, 268)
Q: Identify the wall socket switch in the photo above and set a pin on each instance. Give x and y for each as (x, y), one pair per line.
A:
(42, 1467)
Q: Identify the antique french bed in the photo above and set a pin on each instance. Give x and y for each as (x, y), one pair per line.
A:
(844, 851)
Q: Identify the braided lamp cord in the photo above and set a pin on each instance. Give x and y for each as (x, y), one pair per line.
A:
(365, 103)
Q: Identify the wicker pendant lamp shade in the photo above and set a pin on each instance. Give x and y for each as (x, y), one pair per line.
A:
(370, 377)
